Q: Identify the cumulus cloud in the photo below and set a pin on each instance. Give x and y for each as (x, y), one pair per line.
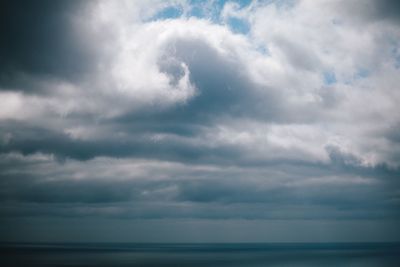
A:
(173, 109)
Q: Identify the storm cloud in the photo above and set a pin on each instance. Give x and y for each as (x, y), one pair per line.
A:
(233, 111)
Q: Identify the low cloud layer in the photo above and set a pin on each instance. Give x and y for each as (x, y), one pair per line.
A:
(143, 110)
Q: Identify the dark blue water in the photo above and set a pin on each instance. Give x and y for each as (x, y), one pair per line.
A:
(194, 255)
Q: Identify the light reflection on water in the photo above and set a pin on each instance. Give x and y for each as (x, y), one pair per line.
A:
(195, 255)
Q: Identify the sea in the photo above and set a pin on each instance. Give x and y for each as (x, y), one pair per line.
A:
(195, 255)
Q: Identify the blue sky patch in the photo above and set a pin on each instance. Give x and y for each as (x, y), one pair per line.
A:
(171, 12)
(239, 25)
(329, 77)
(362, 73)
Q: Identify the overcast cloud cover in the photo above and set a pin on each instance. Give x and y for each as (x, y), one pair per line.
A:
(200, 120)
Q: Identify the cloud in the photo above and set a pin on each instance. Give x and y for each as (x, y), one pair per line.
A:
(120, 110)
(36, 185)
(39, 41)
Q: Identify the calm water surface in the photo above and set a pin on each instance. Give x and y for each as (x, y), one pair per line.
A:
(194, 255)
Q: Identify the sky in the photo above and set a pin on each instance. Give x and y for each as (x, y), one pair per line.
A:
(200, 121)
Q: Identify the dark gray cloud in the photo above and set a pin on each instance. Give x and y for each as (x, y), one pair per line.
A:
(27, 140)
(283, 191)
(38, 39)
(371, 11)
(98, 120)
(31, 140)
(224, 89)
(387, 9)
